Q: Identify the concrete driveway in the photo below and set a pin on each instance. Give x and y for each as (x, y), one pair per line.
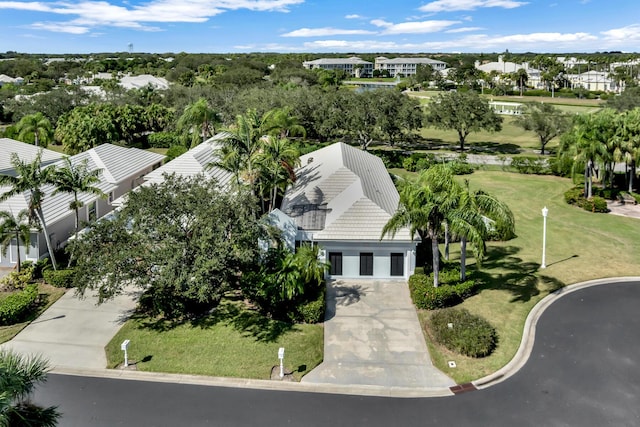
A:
(72, 332)
(372, 336)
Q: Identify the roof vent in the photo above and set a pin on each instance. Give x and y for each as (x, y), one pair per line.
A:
(309, 160)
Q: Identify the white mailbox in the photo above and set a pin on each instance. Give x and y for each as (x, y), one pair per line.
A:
(124, 346)
(281, 353)
(281, 357)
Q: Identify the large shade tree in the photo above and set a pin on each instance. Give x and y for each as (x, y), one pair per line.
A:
(463, 112)
(31, 178)
(184, 242)
(19, 376)
(545, 120)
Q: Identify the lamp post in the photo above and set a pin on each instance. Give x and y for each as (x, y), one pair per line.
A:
(545, 212)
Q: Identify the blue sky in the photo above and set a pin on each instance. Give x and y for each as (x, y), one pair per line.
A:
(337, 26)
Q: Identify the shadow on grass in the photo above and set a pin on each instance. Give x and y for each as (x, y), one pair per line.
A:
(522, 279)
(245, 320)
(488, 147)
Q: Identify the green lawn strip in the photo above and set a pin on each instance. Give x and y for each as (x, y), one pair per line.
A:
(162, 151)
(48, 295)
(580, 246)
(224, 348)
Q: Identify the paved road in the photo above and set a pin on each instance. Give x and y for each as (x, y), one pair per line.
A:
(583, 371)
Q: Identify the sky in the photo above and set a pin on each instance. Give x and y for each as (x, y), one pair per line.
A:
(319, 26)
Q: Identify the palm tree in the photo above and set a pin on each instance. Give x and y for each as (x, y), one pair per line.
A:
(425, 203)
(14, 228)
(477, 216)
(278, 159)
(281, 122)
(626, 144)
(31, 178)
(18, 378)
(75, 179)
(35, 127)
(199, 121)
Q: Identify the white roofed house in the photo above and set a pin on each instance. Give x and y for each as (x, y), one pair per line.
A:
(353, 66)
(122, 169)
(341, 200)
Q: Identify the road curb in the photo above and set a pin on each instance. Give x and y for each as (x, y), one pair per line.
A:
(528, 335)
(286, 386)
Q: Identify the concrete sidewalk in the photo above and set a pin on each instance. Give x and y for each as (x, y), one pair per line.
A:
(373, 338)
(72, 332)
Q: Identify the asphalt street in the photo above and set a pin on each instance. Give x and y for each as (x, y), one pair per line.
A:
(583, 371)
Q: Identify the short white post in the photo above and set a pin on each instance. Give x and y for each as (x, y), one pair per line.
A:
(281, 357)
(124, 346)
(545, 212)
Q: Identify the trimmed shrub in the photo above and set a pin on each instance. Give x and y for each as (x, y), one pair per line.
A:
(59, 278)
(449, 293)
(572, 195)
(462, 332)
(313, 311)
(38, 267)
(17, 280)
(15, 306)
(175, 151)
(162, 139)
(530, 165)
(595, 204)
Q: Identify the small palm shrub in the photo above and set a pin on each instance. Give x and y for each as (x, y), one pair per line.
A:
(462, 332)
(450, 292)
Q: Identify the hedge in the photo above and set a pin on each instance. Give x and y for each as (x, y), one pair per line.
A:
(462, 332)
(17, 280)
(575, 196)
(426, 296)
(15, 306)
(313, 312)
(59, 278)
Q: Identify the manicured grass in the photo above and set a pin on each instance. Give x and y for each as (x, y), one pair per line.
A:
(48, 295)
(580, 246)
(232, 343)
(162, 151)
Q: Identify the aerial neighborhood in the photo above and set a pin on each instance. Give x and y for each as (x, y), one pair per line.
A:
(372, 224)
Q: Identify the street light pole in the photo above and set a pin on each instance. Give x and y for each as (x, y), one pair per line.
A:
(545, 212)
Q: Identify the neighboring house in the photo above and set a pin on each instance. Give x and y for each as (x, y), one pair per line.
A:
(505, 67)
(593, 80)
(26, 152)
(4, 79)
(144, 80)
(406, 66)
(122, 170)
(353, 66)
(194, 162)
(341, 200)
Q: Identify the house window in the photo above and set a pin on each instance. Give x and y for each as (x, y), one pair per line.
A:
(33, 251)
(366, 264)
(335, 259)
(397, 264)
(92, 211)
(110, 198)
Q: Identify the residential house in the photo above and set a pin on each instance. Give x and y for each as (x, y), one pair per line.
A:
(25, 152)
(144, 80)
(353, 66)
(406, 66)
(341, 200)
(506, 67)
(122, 169)
(4, 79)
(594, 80)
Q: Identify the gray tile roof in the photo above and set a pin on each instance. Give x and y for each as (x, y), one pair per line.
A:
(26, 152)
(344, 193)
(194, 162)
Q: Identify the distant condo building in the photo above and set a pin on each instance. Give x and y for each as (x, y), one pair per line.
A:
(354, 66)
(406, 66)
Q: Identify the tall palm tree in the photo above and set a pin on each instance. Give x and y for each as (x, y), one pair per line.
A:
(76, 179)
(281, 122)
(425, 203)
(199, 121)
(479, 214)
(14, 228)
(278, 159)
(35, 127)
(19, 376)
(626, 143)
(31, 178)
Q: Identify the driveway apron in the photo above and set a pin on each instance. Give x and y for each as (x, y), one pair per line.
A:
(72, 332)
(372, 336)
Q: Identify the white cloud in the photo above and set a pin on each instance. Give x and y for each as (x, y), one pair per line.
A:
(453, 5)
(354, 16)
(630, 32)
(463, 30)
(322, 32)
(414, 27)
(93, 13)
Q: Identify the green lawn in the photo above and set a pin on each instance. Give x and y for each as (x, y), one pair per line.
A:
(239, 344)
(48, 295)
(580, 246)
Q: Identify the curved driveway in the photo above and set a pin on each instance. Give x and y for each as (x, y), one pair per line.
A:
(583, 371)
